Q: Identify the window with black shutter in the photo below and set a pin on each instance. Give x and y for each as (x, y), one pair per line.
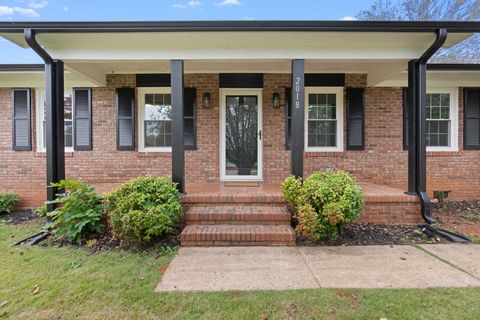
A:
(471, 134)
(288, 117)
(82, 109)
(355, 118)
(189, 120)
(125, 119)
(22, 140)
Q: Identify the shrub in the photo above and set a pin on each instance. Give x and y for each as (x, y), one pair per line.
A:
(323, 202)
(144, 208)
(8, 201)
(79, 212)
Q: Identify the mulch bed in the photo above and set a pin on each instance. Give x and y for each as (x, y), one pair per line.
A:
(375, 234)
(18, 216)
(459, 216)
(101, 243)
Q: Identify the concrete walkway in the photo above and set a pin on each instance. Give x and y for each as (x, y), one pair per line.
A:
(282, 268)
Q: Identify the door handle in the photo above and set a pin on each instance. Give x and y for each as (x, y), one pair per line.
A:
(260, 134)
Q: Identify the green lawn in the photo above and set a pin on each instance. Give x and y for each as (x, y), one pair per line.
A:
(74, 284)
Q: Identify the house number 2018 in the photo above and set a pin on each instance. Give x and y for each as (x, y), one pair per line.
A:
(297, 91)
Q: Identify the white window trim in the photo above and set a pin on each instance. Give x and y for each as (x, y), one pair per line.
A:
(453, 119)
(39, 105)
(141, 118)
(339, 113)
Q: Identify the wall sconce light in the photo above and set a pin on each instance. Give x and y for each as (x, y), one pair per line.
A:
(206, 100)
(276, 100)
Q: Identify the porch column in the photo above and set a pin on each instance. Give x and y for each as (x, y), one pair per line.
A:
(54, 131)
(417, 161)
(178, 147)
(298, 117)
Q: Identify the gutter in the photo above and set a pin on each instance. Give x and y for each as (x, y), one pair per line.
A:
(428, 227)
(265, 25)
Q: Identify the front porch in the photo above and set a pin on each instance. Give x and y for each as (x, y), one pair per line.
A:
(217, 214)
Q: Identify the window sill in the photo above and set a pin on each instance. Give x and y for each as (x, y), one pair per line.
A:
(143, 154)
(316, 154)
(438, 154)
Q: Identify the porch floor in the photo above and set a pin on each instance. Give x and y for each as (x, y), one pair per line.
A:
(270, 192)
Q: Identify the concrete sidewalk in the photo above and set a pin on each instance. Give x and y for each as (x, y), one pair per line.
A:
(282, 268)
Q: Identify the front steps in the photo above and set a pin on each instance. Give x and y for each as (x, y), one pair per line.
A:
(225, 221)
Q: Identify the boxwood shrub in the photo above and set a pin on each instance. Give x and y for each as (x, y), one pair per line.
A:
(144, 208)
(323, 202)
(8, 200)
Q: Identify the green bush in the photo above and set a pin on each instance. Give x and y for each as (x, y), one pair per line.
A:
(79, 211)
(323, 202)
(144, 208)
(8, 201)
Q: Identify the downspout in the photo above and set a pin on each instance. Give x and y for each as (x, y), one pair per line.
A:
(428, 228)
(441, 37)
(29, 36)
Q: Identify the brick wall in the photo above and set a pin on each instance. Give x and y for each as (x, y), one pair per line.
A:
(383, 161)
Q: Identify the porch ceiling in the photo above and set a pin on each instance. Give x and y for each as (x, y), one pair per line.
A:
(91, 56)
(235, 45)
(437, 78)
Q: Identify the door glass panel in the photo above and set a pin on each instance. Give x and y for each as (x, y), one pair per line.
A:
(241, 136)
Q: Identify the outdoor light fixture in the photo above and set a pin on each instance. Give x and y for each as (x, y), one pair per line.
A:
(206, 100)
(276, 100)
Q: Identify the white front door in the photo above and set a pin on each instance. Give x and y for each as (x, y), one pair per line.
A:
(241, 134)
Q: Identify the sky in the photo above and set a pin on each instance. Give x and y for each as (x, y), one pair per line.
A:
(99, 10)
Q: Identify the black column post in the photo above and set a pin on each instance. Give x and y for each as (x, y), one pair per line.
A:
(298, 117)
(417, 155)
(412, 139)
(54, 131)
(178, 147)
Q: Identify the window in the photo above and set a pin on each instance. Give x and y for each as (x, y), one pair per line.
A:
(442, 120)
(41, 122)
(324, 119)
(155, 117)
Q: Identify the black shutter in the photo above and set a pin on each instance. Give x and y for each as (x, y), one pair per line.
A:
(82, 106)
(189, 120)
(355, 118)
(405, 118)
(471, 133)
(288, 117)
(125, 119)
(21, 115)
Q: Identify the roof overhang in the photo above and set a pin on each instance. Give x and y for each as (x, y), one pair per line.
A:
(93, 49)
(441, 75)
(33, 76)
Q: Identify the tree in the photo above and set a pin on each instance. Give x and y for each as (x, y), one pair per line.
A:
(431, 10)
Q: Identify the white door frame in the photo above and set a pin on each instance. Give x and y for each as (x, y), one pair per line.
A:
(223, 99)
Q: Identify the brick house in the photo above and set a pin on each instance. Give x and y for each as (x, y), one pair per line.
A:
(261, 101)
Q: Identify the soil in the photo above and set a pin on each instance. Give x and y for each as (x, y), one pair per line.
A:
(19, 216)
(459, 216)
(375, 234)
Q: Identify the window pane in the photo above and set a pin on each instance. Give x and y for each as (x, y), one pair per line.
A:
(321, 133)
(68, 134)
(158, 133)
(331, 100)
(435, 113)
(312, 112)
(435, 102)
(445, 100)
(67, 101)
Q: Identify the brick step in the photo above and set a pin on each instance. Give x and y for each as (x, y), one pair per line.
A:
(233, 197)
(237, 235)
(238, 214)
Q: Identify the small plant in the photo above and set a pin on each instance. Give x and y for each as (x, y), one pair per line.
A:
(8, 201)
(79, 212)
(441, 195)
(144, 208)
(323, 202)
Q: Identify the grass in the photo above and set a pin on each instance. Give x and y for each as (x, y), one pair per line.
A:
(66, 283)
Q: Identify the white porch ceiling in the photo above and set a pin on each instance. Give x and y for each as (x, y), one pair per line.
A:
(437, 78)
(381, 55)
